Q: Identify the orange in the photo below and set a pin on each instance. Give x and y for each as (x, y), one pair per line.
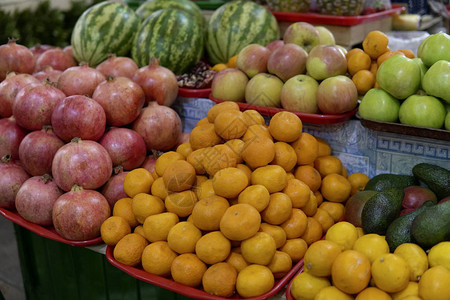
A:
(350, 271)
(231, 63)
(229, 182)
(195, 158)
(324, 218)
(309, 175)
(319, 197)
(435, 283)
(181, 203)
(157, 258)
(128, 250)
(285, 126)
(113, 229)
(324, 147)
(184, 149)
(374, 68)
(343, 233)
(327, 165)
(240, 221)
(256, 195)
(236, 260)
(144, 205)
(219, 67)
(373, 293)
(298, 192)
(183, 236)
(280, 264)
(218, 108)
(159, 188)
(335, 188)
(351, 52)
(307, 149)
(388, 54)
(276, 231)
(213, 247)
(285, 156)
(295, 226)
(203, 136)
(204, 189)
(358, 181)
(218, 157)
(408, 53)
(256, 130)
(139, 230)
(364, 80)
(246, 170)
(375, 43)
(258, 249)
(258, 152)
(310, 208)
(188, 269)
(296, 248)
(254, 280)
(123, 208)
(157, 227)
(306, 286)
(236, 145)
(166, 158)
(319, 257)
(357, 62)
(273, 177)
(179, 176)
(207, 212)
(313, 231)
(252, 117)
(230, 124)
(390, 272)
(279, 209)
(137, 181)
(220, 280)
(202, 121)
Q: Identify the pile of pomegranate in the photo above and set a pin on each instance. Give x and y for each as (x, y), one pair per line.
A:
(70, 132)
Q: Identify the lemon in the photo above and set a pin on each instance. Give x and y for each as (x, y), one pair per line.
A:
(342, 233)
(390, 273)
(307, 286)
(411, 290)
(373, 293)
(372, 245)
(435, 284)
(415, 257)
(332, 293)
(439, 255)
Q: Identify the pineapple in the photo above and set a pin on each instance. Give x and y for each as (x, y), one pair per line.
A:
(340, 7)
(297, 6)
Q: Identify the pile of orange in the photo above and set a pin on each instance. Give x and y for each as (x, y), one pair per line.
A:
(231, 63)
(236, 207)
(350, 265)
(363, 63)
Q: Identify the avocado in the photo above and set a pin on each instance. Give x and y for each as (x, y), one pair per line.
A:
(399, 232)
(385, 181)
(435, 177)
(380, 210)
(432, 226)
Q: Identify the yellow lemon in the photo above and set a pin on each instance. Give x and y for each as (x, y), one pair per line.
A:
(306, 286)
(372, 245)
(390, 273)
(439, 255)
(435, 284)
(343, 234)
(411, 290)
(373, 293)
(415, 257)
(332, 293)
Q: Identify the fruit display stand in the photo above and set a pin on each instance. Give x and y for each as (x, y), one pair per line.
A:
(347, 30)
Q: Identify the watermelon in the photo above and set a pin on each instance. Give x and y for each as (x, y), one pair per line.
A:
(172, 35)
(104, 28)
(235, 25)
(146, 8)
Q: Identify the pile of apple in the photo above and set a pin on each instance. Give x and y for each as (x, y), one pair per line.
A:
(304, 72)
(414, 91)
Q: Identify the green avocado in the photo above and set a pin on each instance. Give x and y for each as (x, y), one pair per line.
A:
(386, 181)
(435, 177)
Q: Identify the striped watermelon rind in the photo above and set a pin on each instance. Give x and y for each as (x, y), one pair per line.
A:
(235, 25)
(104, 28)
(172, 35)
(148, 7)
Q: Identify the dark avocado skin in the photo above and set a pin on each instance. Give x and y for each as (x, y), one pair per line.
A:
(381, 210)
(435, 177)
(383, 182)
(432, 226)
(399, 231)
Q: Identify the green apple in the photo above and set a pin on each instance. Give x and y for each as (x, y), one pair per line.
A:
(433, 48)
(447, 121)
(423, 68)
(303, 34)
(422, 110)
(299, 94)
(229, 85)
(379, 105)
(264, 90)
(399, 76)
(326, 36)
(436, 81)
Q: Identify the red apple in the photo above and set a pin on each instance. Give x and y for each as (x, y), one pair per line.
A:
(415, 196)
(444, 199)
(229, 85)
(337, 95)
(272, 46)
(287, 61)
(252, 59)
(303, 34)
(326, 61)
(299, 94)
(264, 90)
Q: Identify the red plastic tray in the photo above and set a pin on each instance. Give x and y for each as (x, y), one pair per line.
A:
(196, 293)
(316, 18)
(305, 117)
(47, 232)
(194, 93)
(288, 288)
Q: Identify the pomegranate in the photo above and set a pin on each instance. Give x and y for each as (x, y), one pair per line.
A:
(15, 58)
(11, 135)
(38, 49)
(35, 199)
(125, 147)
(79, 214)
(118, 66)
(56, 58)
(12, 178)
(82, 162)
(68, 50)
(113, 188)
(34, 104)
(78, 116)
(9, 89)
(37, 149)
(48, 73)
(121, 98)
(159, 125)
(159, 83)
(80, 80)
(149, 163)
